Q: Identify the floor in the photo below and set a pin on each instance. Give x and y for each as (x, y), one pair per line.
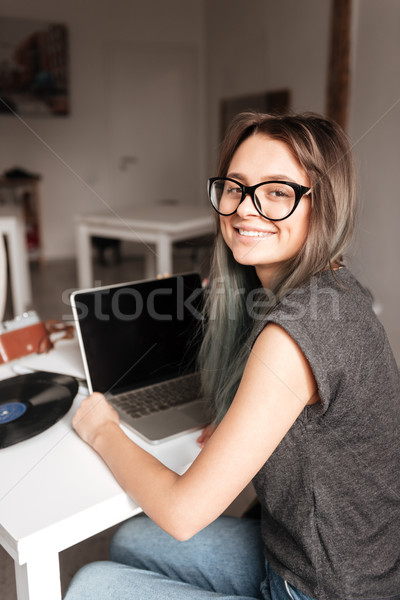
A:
(51, 285)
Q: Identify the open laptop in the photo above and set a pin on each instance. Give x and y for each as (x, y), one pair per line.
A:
(139, 342)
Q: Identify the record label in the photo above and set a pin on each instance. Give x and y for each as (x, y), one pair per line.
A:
(11, 411)
(31, 403)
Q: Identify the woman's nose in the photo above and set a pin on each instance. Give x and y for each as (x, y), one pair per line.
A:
(246, 207)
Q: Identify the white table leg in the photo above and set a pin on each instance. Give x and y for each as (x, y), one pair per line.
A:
(39, 579)
(3, 276)
(164, 261)
(149, 262)
(84, 257)
(19, 270)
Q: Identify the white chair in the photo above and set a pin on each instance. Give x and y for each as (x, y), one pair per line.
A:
(3, 277)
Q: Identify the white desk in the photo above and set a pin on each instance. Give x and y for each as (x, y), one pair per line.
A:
(55, 491)
(12, 227)
(154, 226)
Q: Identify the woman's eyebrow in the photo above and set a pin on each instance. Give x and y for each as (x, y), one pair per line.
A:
(271, 177)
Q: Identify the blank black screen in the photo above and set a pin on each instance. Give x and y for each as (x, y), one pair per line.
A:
(139, 333)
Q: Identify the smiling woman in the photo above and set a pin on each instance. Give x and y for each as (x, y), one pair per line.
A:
(252, 232)
(302, 149)
(305, 392)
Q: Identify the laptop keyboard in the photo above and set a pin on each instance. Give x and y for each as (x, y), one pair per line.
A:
(157, 397)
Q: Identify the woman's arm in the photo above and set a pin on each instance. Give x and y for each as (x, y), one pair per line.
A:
(276, 385)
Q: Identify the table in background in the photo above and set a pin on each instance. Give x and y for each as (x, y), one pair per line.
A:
(55, 491)
(158, 224)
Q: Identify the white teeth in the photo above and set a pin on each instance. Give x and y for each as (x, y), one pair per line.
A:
(254, 233)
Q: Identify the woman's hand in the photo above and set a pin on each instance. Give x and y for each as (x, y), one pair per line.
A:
(206, 434)
(93, 416)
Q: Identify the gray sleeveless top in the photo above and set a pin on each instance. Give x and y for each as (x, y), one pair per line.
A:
(330, 492)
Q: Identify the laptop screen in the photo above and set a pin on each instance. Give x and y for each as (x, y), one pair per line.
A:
(136, 334)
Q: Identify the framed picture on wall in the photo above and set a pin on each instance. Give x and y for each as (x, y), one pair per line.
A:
(266, 102)
(33, 68)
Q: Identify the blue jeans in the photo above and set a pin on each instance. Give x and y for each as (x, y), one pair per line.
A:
(224, 560)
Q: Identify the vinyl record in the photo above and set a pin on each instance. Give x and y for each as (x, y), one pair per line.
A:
(31, 403)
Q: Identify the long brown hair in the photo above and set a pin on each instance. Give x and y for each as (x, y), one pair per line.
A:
(323, 150)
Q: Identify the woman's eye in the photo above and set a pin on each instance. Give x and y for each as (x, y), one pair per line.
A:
(234, 190)
(279, 193)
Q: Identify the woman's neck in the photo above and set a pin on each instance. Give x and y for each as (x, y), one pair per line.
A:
(267, 276)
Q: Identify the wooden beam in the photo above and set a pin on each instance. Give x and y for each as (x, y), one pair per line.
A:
(338, 89)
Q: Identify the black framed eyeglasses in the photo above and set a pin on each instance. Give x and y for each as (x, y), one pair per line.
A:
(274, 200)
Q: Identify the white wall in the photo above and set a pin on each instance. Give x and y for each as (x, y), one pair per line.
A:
(375, 132)
(263, 45)
(72, 153)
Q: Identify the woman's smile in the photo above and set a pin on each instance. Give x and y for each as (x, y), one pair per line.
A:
(253, 233)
